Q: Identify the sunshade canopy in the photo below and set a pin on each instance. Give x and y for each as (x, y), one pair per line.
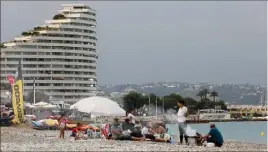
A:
(99, 106)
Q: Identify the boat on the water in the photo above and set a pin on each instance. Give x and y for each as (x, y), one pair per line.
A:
(213, 114)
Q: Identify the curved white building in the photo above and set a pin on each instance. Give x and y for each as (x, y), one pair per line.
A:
(61, 55)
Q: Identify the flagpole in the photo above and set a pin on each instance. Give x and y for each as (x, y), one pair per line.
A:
(34, 91)
(149, 104)
(163, 106)
(156, 107)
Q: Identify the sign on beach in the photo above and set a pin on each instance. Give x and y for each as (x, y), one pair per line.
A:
(17, 101)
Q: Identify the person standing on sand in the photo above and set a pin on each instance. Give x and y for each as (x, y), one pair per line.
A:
(131, 116)
(182, 113)
(62, 126)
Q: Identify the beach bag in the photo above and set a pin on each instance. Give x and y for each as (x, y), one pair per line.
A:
(210, 145)
(163, 136)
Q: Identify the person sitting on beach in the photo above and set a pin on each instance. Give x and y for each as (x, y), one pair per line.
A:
(127, 125)
(214, 136)
(117, 132)
(77, 128)
(78, 133)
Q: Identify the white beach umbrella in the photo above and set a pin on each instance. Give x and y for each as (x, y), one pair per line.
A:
(99, 106)
(31, 106)
(40, 104)
(50, 106)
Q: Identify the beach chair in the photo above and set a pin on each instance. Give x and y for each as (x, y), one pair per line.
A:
(105, 132)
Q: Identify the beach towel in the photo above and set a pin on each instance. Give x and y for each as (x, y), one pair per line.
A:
(164, 136)
(36, 124)
(51, 122)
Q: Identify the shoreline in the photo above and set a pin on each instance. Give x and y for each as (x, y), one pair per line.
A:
(27, 139)
(227, 120)
(188, 121)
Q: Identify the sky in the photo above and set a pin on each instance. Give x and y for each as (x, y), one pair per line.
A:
(139, 42)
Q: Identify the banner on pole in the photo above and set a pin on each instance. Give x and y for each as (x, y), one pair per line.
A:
(17, 101)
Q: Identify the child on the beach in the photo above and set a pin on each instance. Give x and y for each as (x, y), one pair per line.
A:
(62, 126)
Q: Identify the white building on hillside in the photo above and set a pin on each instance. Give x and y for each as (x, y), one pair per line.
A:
(61, 55)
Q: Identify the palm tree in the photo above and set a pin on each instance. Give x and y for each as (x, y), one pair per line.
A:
(200, 94)
(203, 93)
(214, 94)
(2, 45)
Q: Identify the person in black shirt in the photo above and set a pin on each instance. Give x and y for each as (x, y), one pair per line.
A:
(127, 125)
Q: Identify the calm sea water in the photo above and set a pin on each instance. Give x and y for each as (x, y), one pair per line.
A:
(241, 131)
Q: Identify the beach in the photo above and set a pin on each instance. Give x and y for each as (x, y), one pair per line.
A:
(27, 139)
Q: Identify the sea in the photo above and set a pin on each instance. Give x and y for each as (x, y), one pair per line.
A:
(246, 131)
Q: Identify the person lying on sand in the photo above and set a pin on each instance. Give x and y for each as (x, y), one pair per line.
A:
(157, 129)
(214, 136)
(117, 132)
(145, 132)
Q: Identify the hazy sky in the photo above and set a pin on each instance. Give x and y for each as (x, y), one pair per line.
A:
(214, 42)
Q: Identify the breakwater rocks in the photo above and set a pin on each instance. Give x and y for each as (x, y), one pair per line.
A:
(27, 139)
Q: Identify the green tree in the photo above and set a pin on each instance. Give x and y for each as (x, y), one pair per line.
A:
(171, 101)
(214, 94)
(203, 93)
(200, 94)
(133, 100)
(222, 104)
(190, 103)
(205, 104)
(2, 45)
(59, 16)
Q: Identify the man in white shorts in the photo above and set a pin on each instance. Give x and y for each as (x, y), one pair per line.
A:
(182, 113)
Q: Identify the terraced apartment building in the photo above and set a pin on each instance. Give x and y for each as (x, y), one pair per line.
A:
(59, 55)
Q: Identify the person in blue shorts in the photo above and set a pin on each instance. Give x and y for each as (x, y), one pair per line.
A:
(214, 136)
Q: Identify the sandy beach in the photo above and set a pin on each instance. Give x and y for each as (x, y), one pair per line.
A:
(27, 139)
